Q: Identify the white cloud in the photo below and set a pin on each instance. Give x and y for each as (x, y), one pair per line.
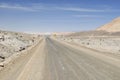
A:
(80, 9)
(39, 7)
(16, 7)
(87, 16)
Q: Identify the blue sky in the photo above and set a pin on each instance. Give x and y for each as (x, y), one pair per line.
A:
(56, 15)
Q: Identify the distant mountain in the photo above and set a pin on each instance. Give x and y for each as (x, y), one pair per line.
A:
(113, 26)
(93, 33)
(110, 29)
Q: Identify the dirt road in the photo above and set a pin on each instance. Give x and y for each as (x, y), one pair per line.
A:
(53, 60)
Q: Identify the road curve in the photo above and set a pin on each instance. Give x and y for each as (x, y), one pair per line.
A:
(53, 60)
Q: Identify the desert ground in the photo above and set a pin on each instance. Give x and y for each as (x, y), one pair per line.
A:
(103, 44)
(13, 43)
(86, 55)
(52, 59)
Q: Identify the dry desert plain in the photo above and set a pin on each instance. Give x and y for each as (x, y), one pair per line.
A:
(91, 55)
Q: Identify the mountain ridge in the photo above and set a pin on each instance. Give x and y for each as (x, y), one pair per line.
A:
(113, 26)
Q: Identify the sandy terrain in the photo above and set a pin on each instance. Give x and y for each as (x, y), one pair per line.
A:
(13, 43)
(113, 26)
(77, 56)
(105, 38)
(104, 44)
(56, 60)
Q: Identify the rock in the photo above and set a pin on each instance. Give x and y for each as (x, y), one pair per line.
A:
(2, 57)
(1, 65)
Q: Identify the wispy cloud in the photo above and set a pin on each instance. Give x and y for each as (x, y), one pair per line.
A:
(40, 7)
(79, 9)
(87, 16)
(16, 7)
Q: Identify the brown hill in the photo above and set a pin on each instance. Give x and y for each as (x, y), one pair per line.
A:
(113, 26)
(94, 33)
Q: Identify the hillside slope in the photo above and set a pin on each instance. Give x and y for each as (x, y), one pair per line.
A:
(14, 42)
(113, 26)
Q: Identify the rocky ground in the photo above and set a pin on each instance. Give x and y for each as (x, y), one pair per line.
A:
(104, 44)
(13, 43)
